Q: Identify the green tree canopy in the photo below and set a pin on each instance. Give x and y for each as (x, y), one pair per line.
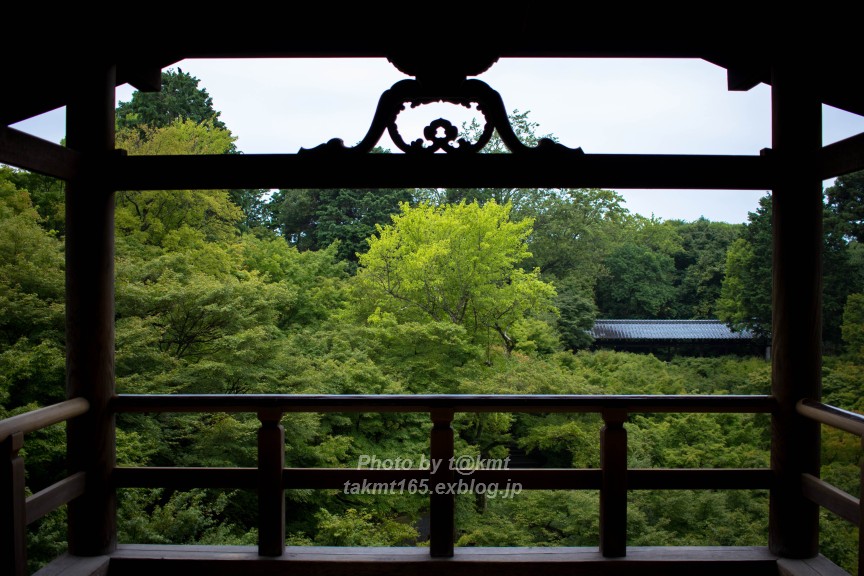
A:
(456, 263)
(179, 99)
(745, 299)
(151, 216)
(745, 296)
(846, 199)
(313, 219)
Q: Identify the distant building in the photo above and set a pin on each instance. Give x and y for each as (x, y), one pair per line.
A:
(667, 338)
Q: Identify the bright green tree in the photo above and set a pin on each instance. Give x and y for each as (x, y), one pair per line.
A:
(457, 263)
(149, 216)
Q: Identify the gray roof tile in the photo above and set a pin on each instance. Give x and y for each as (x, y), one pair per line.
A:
(665, 330)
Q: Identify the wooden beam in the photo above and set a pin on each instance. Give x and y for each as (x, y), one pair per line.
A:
(90, 311)
(68, 565)
(832, 416)
(42, 417)
(181, 478)
(818, 566)
(700, 479)
(843, 157)
(207, 172)
(797, 304)
(837, 501)
(48, 83)
(28, 152)
(145, 560)
(141, 76)
(522, 403)
(54, 496)
(743, 79)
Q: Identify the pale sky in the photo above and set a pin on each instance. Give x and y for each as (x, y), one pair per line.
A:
(604, 106)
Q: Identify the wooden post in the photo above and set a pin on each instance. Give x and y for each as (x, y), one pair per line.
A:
(90, 308)
(442, 530)
(13, 521)
(797, 304)
(271, 493)
(861, 519)
(613, 487)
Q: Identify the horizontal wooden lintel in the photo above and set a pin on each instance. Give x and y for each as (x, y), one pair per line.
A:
(555, 170)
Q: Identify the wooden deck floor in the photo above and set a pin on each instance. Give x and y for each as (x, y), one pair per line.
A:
(164, 560)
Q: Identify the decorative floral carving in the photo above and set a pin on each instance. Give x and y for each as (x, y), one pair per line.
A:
(441, 134)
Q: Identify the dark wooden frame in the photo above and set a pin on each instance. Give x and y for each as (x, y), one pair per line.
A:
(793, 169)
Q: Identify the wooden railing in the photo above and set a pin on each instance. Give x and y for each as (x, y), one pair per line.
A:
(17, 510)
(827, 495)
(613, 479)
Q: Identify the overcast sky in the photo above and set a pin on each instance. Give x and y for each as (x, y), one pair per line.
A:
(604, 106)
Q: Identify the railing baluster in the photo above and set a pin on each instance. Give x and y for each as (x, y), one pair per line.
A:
(441, 506)
(271, 494)
(13, 522)
(613, 489)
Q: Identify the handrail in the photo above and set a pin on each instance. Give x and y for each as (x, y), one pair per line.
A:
(43, 417)
(822, 493)
(16, 509)
(613, 479)
(832, 416)
(425, 403)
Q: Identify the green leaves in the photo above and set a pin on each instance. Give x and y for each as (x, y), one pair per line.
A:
(455, 263)
(180, 98)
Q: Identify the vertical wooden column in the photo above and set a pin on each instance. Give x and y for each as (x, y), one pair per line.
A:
(90, 308)
(441, 505)
(271, 492)
(613, 488)
(13, 521)
(861, 520)
(797, 303)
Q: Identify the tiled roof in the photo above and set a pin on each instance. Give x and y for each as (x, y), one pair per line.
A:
(666, 330)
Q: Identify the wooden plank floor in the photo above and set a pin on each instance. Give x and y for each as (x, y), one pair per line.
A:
(133, 560)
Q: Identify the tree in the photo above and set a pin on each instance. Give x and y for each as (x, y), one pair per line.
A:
(151, 216)
(31, 302)
(314, 219)
(845, 199)
(638, 280)
(745, 299)
(522, 199)
(639, 284)
(700, 265)
(182, 100)
(745, 296)
(455, 263)
(179, 99)
(853, 324)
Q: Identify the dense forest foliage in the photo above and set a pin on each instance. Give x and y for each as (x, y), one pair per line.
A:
(411, 291)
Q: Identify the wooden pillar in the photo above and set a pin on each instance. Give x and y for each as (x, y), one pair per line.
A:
(271, 492)
(797, 303)
(13, 521)
(861, 519)
(90, 308)
(613, 488)
(442, 501)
